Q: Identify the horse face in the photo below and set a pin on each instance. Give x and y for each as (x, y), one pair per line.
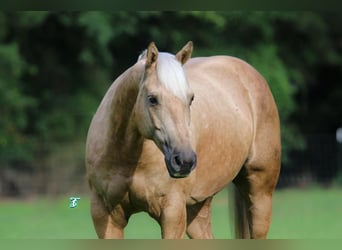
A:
(163, 109)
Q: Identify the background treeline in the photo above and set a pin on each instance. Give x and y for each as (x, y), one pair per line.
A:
(56, 66)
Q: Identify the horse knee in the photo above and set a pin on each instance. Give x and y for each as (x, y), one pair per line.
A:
(199, 220)
(173, 218)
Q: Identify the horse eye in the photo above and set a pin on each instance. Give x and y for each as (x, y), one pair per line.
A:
(192, 99)
(153, 100)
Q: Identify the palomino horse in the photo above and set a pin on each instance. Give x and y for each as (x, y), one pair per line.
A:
(172, 132)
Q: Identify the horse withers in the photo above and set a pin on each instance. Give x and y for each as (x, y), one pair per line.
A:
(171, 132)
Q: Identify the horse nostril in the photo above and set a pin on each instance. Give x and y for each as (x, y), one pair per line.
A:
(178, 160)
(183, 161)
(181, 164)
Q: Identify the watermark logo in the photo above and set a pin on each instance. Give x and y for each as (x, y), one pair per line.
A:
(74, 201)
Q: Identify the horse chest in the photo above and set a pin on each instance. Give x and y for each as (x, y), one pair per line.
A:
(144, 194)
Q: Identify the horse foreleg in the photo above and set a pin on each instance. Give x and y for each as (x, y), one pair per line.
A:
(173, 218)
(199, 220)
(108, 224)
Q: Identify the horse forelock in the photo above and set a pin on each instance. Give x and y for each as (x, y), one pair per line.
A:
(171, 75)
(142, 55)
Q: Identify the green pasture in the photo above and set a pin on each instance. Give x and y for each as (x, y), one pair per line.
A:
(298, 214)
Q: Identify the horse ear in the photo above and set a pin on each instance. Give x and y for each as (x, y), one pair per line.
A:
(185, 53)
(152, 55)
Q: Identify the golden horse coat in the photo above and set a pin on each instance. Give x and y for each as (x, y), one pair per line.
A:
(171, 132)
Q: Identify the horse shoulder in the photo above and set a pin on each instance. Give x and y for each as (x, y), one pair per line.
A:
(104, 151)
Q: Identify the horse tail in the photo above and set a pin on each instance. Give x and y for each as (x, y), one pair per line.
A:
(239, 214)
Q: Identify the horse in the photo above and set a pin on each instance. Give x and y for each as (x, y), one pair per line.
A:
(171, 132)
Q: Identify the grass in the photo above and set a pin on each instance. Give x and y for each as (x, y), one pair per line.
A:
(297, 214)
(307, 214)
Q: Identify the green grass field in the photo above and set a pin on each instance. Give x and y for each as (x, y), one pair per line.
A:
(297, 214)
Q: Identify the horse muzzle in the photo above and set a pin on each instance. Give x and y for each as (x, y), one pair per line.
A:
(180, 163)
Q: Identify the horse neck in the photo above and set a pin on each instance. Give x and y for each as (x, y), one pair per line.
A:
(127, 141)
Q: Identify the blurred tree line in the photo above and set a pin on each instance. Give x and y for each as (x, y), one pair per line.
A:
(56, 66)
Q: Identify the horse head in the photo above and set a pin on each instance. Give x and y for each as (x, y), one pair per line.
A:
(162, 108)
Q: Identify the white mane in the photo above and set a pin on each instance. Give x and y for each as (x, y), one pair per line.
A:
(171, 75)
